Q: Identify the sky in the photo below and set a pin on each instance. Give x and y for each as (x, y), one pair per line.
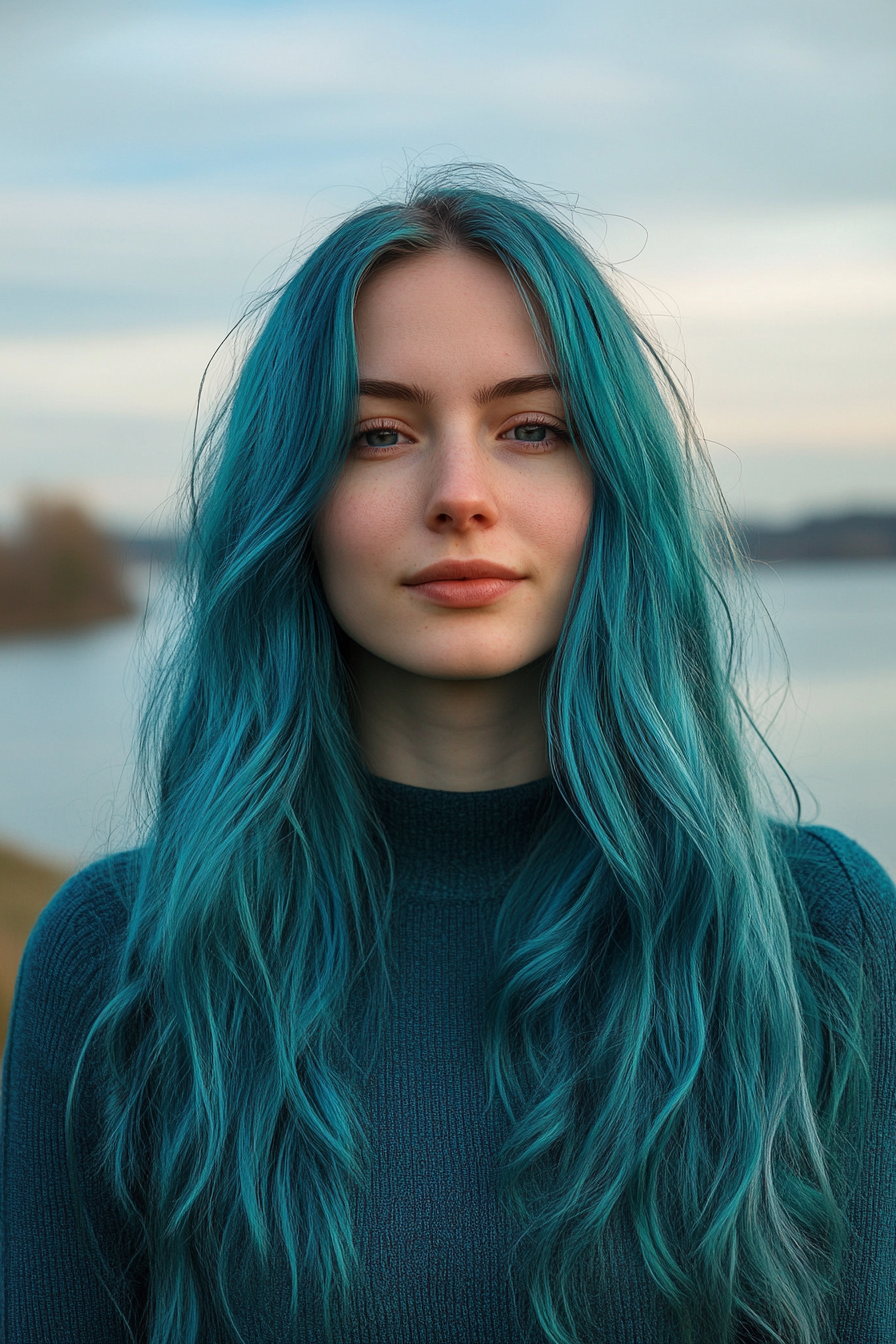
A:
(161, 163)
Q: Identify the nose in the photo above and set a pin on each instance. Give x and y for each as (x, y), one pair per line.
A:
(462, 494)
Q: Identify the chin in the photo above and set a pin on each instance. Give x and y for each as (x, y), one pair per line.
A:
(469, 665)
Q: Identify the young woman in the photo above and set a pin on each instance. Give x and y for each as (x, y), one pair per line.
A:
(461, 991)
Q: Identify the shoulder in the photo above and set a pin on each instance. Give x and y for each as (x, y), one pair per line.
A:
(78, 935)
(91, 907)
(848, 895)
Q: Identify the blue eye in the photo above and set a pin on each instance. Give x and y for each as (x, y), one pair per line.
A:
(380, 438)
(530, 433)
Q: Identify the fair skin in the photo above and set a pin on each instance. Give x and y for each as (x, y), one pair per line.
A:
(461, 456)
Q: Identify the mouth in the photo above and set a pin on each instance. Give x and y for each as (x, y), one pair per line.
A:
(463, 583)
(461, 571)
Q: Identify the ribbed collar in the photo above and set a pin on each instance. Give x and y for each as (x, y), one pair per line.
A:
(457, 846)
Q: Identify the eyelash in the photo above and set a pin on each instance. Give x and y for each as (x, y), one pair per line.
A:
(555, 433)
(528, 421)
(376, 427)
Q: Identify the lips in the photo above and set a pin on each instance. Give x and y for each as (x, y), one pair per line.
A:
(461, 570)
(463, 583)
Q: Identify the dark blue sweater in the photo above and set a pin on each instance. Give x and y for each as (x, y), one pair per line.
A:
(436, 1242)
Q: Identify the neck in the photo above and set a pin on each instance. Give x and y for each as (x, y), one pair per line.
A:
(462, 736)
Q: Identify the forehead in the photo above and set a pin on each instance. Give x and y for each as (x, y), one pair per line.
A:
(444, 308)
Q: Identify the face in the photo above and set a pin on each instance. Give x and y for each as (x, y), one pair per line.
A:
(451, 541)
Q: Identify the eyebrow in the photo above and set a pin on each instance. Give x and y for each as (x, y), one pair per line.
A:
(388, 391)
(385, 390)
(516, 387)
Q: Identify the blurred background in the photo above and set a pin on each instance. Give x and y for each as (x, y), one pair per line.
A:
(160, 162)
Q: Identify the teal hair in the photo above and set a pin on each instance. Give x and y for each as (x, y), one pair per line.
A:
(676, 1051)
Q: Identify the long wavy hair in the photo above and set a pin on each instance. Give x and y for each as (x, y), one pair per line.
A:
(676, 1052)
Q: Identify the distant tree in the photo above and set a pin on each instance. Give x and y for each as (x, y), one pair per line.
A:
(59, 572)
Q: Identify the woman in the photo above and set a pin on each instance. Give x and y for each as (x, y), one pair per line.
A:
(461, 991)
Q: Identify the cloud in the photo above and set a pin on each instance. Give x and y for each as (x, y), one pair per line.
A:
(835, 265)
(160, 160)
(154, 375)
(123, 247)
(797, 383)
(378, 58)
(650, 99)
(782, 318)
(773, 293)
(135, 256)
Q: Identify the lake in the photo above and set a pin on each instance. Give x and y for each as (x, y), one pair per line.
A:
(68, 707)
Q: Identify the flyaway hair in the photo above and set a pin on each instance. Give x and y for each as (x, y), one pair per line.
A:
(680, 1058)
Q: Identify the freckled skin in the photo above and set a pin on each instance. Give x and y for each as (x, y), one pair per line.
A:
(452, 476)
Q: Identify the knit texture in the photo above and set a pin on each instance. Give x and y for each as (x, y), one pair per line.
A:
(436, 1243)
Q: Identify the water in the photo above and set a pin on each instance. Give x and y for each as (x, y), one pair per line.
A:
(69, 706)
(836, 729)
(67, 714)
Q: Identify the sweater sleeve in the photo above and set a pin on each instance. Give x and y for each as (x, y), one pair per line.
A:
(52, 1290)
(856, 903)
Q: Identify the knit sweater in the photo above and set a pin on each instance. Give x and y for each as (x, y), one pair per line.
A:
(436, 1241)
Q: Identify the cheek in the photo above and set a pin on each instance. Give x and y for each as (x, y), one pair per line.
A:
(557, 521)
(357, 533)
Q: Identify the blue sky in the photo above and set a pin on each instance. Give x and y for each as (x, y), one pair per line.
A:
(159, 162)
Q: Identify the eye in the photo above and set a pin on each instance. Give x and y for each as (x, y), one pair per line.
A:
(530, 433)
(379, 438)
(535, 430)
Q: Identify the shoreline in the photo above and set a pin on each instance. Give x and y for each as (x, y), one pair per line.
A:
(840, 537)
(846, 537)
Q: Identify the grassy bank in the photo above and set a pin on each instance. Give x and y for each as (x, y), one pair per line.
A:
(26, 885)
